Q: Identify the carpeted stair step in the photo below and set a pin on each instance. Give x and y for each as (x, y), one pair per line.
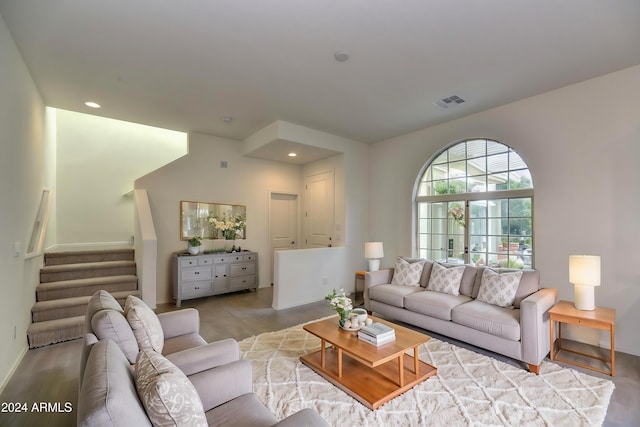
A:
(43, 311)
(56, 273)
(78, 257)
(40, 334)
(85, 287)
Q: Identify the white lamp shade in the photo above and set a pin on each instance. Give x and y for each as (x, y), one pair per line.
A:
(373, 250)
(584, 270)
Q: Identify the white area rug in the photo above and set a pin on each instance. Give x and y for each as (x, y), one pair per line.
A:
(470, 389)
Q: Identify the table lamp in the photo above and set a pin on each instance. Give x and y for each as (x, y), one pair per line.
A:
(584, 273)
(373, 251)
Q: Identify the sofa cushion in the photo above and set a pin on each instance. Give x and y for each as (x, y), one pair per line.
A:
(407, 273)
(112, 325)
(494, 320)
(426, 269)
(245, 410)
(434, 304)
(499, 288)
(100, 300)
(469, 279)
(445, 279)
(529, 284)
(108, 394)
(167, 394)
(182, 342)
(145, 324)
(392, 294)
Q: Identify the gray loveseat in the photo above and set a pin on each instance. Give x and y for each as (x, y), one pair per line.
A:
(208, 380)
(520, 332)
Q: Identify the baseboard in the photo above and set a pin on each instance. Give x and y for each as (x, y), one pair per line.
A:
(13, 369)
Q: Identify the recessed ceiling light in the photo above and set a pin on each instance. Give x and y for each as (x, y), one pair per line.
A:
(227, 119)
(341, 56)
(292, 154)
(92, 104)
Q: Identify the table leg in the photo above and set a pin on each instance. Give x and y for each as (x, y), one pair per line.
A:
(613, 352)
(401, 369)
(415, 360)
(322, 353)
(339, 362)
(552, 336)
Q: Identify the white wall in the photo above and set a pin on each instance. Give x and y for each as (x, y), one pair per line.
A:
(98, 161)
(27, 165)
(582, 145)
(199, 177)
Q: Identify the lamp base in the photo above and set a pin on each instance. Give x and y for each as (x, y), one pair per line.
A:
(374, 264)
(584, 297)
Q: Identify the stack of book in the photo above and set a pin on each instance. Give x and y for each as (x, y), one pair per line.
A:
(377, 334)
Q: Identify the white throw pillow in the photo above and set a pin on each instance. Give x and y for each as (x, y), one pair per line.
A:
(169, 398)
(445, 279)
(407, 273)
(499, 289)
(145, 324)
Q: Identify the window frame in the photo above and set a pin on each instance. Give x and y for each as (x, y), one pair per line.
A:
(467, 197)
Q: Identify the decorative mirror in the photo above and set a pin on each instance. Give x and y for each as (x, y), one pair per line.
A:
(196, 219)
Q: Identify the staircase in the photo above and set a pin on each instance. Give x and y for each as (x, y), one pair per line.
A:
(67, 281)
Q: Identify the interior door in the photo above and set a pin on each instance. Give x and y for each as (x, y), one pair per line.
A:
(319, 210)
(283, 223)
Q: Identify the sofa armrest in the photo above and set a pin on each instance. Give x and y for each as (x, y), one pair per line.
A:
(534, 324)
(201, 358)
(375, 278)
(180, 322)
(224, 383)
(306, 417)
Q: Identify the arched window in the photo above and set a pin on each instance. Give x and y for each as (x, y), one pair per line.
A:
(474, 205)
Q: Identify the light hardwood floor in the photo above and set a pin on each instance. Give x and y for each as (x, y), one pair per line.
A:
(50, 374)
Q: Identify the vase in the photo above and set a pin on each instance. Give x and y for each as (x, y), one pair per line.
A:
(193, 250)
(344, 316)
(229, 245)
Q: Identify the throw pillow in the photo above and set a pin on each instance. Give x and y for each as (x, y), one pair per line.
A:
(445, 279)
(407, 273)
(145, 324)
(499, 289)
(168, 396)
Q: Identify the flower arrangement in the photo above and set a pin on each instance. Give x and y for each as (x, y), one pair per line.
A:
(341, 303)
(230, 225)
(457, 213)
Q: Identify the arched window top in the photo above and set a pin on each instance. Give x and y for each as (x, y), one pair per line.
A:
(475, 166)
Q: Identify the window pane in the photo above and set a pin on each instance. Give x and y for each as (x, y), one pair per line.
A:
(478, 209)
(515, 161)
(457, 169)
(476, 148)
(520, 179)
(458, 186)
(477, 226)
(442, 158)
(497, 208)
(494, 147)
(497, 163)
(498, 181)
(520, 207)
(439, 172)
(457, 152)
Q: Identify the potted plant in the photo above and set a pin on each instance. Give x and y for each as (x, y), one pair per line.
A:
(194, 245)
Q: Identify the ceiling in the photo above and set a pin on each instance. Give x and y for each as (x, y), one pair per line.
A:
(184, 65)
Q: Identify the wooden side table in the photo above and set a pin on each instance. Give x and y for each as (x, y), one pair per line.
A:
(359, 296)
(600, 318)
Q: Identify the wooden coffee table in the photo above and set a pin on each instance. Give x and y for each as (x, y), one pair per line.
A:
(364, 371)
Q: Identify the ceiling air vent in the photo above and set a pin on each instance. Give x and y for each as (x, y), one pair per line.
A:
(450, 101)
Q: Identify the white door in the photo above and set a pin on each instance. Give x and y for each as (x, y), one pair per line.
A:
(283, 223)
(319, 210)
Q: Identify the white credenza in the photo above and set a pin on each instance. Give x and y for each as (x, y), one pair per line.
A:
(196, 276)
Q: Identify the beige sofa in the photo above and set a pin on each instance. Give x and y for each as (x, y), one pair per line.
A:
(520, 332)
(208, 383)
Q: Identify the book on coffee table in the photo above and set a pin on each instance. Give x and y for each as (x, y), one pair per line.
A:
(378, 330)
(376, 341)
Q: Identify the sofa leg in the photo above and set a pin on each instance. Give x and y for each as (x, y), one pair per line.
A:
(534, 369)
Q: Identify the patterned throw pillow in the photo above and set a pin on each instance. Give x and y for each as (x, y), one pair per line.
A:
(445, 279)
(169, 398)
(499, 289)
(407, 273)
(145, 324)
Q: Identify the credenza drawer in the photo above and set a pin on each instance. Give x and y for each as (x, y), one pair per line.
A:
(242, 269)
(196, 290)
(242, 282)
(193, 274)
